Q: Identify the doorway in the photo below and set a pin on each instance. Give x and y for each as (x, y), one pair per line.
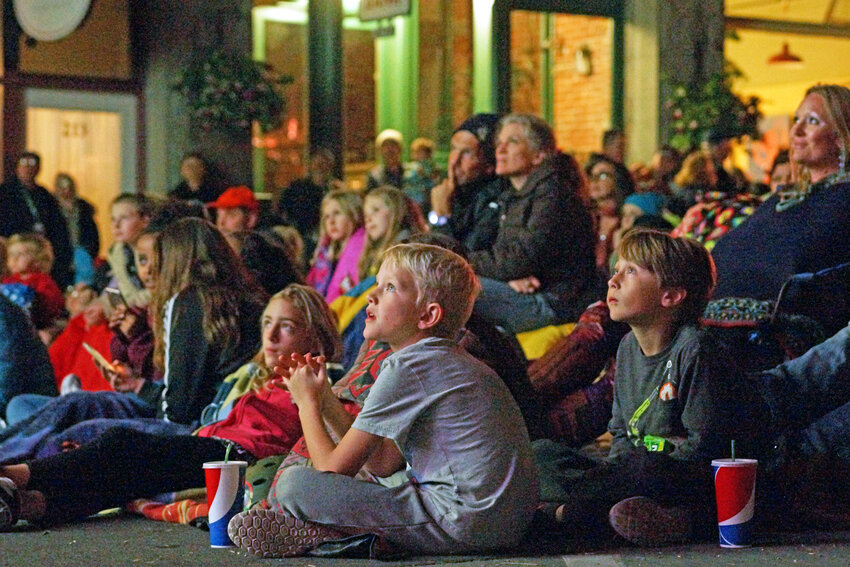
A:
(564, 63)
(91, 137)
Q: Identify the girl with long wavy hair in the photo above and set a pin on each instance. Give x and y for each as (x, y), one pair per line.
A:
(253, 414)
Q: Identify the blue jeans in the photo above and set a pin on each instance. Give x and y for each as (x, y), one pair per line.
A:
(41, 433)
(809, 397)
(24, 405)
(515, 312)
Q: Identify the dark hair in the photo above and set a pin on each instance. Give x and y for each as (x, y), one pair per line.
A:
(623, 181)
(266, 260)
(192, 253)
(173, 211)
(29, 154)
(609, 136)
(784, 156)
(572, 176)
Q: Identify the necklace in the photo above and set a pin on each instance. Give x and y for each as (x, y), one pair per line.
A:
(790, 196)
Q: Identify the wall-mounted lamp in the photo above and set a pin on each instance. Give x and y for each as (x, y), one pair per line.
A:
(785, 58)
(584, 66)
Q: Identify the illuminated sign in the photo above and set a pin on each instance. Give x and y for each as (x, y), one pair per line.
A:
(379, 9)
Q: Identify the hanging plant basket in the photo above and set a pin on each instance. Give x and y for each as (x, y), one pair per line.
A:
(228, 91)
(711, 106)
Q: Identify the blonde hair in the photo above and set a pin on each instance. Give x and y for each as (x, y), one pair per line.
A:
(319, 321)
(837, 102)
(422, 144)
(405, 216)
(442, 277)
(677, 262)
(42, 249)
(351, 204)
(694, 170)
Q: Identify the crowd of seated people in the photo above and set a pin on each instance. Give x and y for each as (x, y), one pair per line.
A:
(633, 280)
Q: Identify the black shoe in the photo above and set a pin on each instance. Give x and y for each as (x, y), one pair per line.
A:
(647, 523)
(10, 503)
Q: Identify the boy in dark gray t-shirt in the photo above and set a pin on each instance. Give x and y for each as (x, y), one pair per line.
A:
(435, 412)
(665, 419)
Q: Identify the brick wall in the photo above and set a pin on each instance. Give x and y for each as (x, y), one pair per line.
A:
(461, 71)
(445, 67)
(581, 104)
(526, 78)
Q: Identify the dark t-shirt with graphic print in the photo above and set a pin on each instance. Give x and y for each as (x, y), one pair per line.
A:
(670, 397)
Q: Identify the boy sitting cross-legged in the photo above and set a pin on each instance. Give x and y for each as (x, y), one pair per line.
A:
(666, 421)
(434, 410)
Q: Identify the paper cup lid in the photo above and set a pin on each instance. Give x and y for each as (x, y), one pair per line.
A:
(222, 464)
(735, 463)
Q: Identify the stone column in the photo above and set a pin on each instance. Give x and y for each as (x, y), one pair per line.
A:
(666, 43)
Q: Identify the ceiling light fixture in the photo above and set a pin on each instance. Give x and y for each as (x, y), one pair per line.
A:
(785, 58)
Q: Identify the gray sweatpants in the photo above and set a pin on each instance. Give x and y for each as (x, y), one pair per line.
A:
(399, 514)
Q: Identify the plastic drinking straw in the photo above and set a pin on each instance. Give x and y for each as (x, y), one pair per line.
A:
(733, 450)
(230, 446)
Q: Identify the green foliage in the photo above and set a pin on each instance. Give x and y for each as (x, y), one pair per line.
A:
(228, 91)
(711, 106)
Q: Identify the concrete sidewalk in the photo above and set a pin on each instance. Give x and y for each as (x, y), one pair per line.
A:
(131, 540)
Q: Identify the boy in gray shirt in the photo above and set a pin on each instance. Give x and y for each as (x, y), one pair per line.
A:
(435, 412)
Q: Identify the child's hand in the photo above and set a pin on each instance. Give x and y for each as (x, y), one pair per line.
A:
(122, 379)
(307, 380)
(122, 320)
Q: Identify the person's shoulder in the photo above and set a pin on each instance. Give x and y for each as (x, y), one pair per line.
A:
(85, 207)
(689, 334)
(444, 352)
(43, 193)
(627, 344)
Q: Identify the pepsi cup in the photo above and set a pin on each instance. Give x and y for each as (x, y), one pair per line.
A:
(225, 497)
(735, 487)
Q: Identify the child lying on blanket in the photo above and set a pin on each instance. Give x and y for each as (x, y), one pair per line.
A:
(262, 422)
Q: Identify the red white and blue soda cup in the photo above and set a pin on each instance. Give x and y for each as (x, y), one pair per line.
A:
(735, 487)
(225, 497)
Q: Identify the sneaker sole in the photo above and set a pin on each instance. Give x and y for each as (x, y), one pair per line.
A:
(643, 522)
(273, 534)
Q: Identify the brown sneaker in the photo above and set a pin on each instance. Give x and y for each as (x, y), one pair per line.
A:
(647, 523)
(275, 534)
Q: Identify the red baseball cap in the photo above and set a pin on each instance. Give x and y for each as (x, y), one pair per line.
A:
(236, 197)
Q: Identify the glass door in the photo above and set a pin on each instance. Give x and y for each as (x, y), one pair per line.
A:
(91, 137)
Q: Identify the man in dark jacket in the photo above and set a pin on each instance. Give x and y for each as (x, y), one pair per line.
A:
(540, 269)
(26, 206)
(465, 205)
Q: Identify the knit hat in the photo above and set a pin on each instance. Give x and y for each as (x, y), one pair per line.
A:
(389, 135)
(236, 197)
(650, 203)
(483, 127)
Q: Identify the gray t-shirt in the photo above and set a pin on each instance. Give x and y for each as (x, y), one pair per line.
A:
(463, 438)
